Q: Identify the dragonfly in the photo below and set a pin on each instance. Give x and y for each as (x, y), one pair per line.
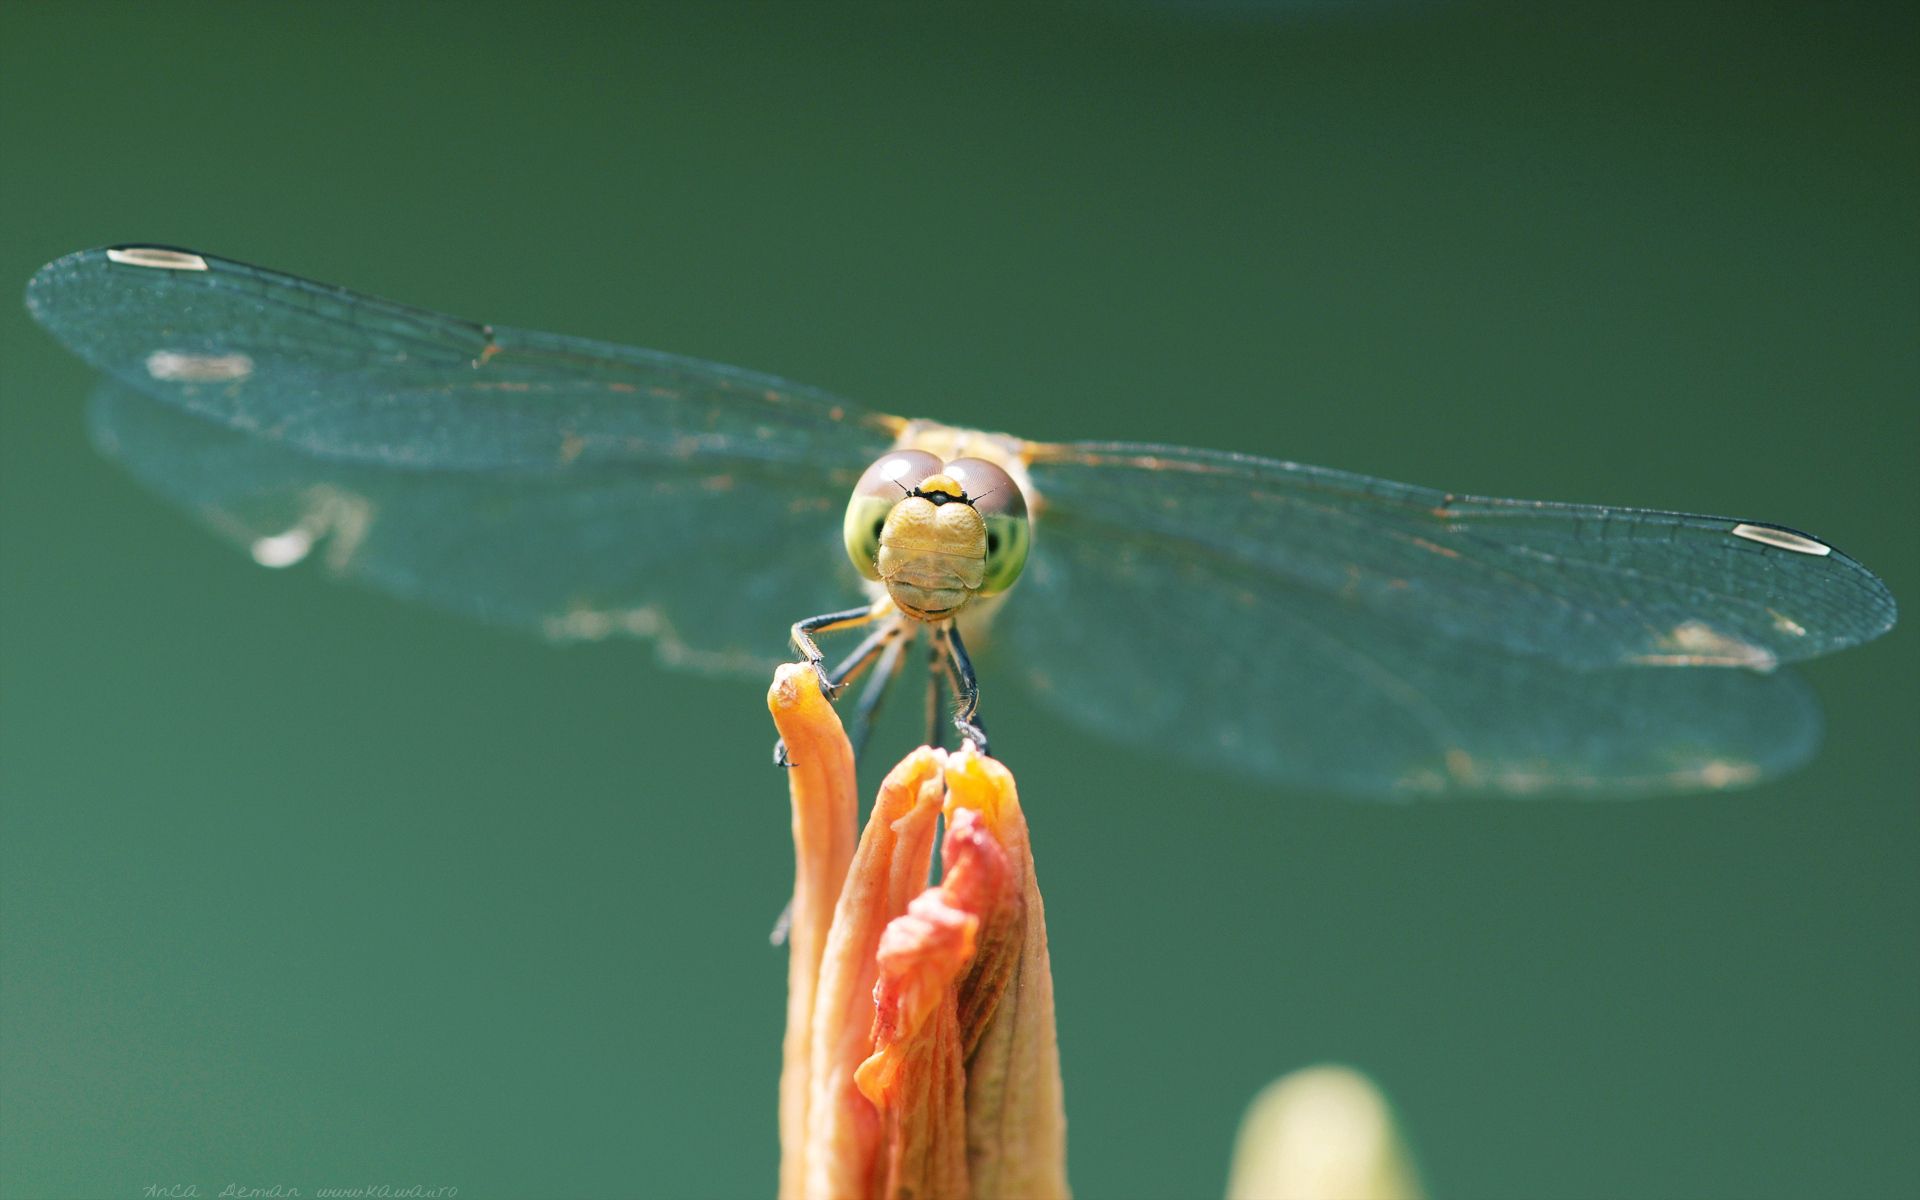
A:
(1302, 625)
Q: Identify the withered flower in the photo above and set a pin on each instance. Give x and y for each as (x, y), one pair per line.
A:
(920, 1057)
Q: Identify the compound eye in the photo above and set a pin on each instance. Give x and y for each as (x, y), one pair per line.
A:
(881, 486)
(1001, 504)
(990, 490)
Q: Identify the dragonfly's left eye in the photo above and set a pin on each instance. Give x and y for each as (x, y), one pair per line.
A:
(882, 486)
(1000, 503)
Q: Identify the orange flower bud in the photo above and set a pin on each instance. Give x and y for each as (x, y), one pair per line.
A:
(920, 1057)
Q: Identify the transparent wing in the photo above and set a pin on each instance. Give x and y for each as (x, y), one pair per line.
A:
(569, 487)
(346, 376)
(711, 565)
(1333, 630)
(1580, 585)
(1156, 641)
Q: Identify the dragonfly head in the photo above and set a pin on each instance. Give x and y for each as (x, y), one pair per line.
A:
(937, 534)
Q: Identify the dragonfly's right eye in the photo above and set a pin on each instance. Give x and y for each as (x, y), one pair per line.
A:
(884, 484)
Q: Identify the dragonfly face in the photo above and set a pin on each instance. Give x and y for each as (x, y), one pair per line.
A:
(934, 535)
(937, 534)
(1296, 623)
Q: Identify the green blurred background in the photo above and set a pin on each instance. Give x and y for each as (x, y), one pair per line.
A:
(304, 887)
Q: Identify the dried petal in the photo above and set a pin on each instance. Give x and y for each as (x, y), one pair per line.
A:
(1016, 1118)
(890, 866)
(821, 782)
(915, 1076)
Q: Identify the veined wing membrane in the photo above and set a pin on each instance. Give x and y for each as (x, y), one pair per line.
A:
(1580, 585)
(569, 487)
(705, 562)
(1161, 642)
(345, 376)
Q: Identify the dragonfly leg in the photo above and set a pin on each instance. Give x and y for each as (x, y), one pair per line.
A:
(832, 682)
(959, 671)
(936, 703)
(876, 689)
(809, 649)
